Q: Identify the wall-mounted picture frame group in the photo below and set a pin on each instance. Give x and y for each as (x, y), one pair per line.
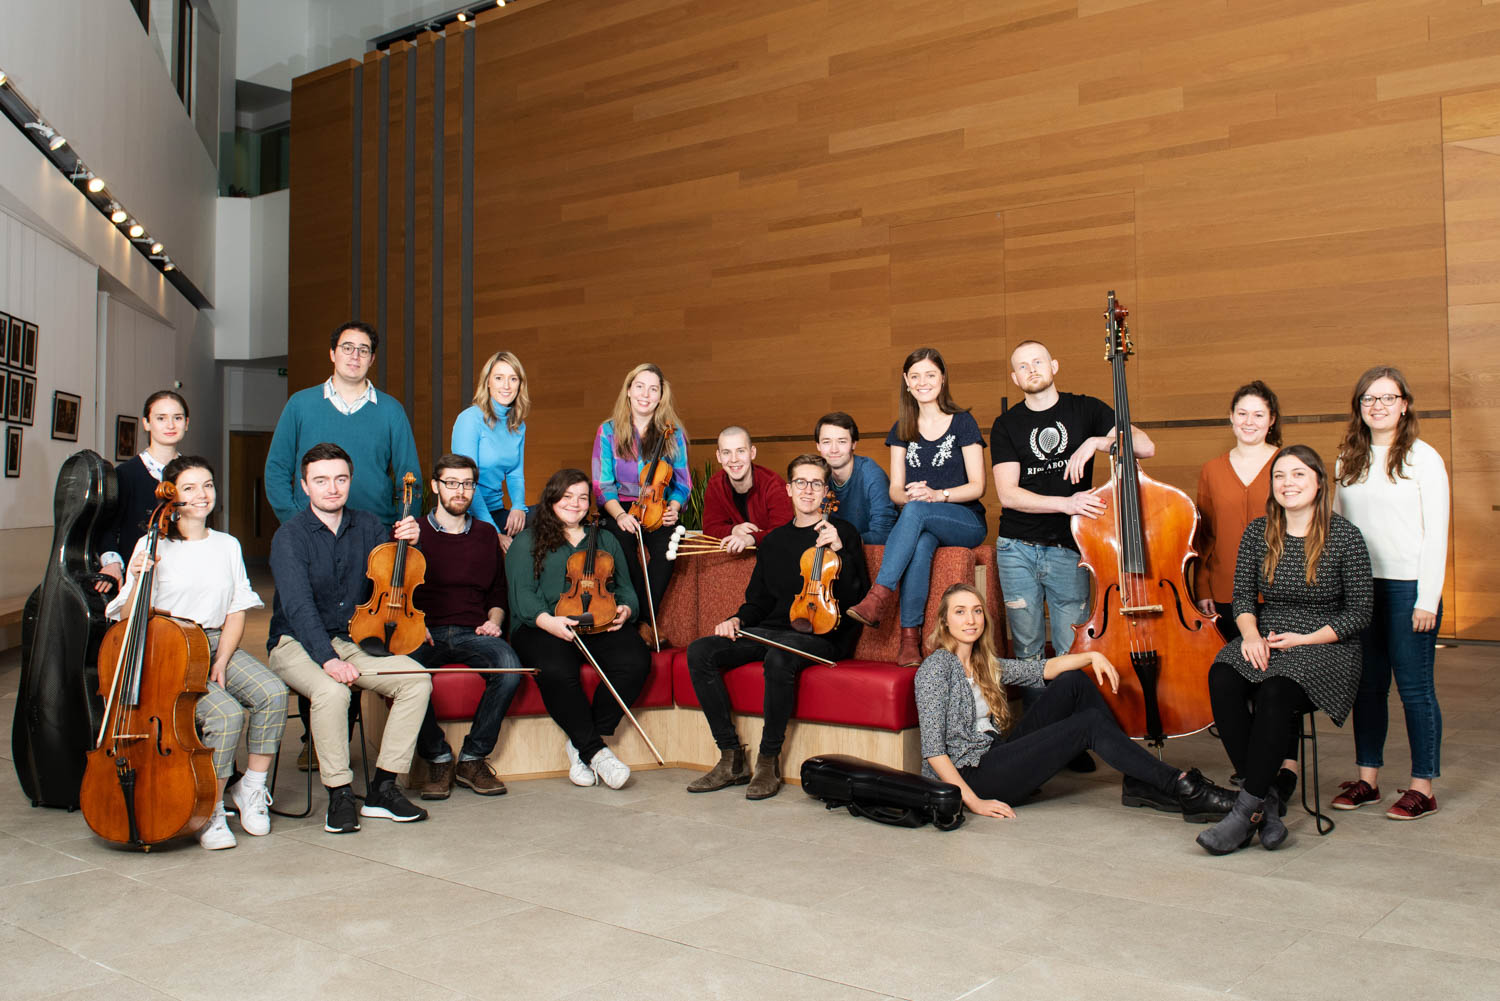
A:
(67, 409)
(20, 347)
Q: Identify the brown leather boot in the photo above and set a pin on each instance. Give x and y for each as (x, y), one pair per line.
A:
(874, 606)
(910, 654)
(766, 782)
(732, 770)
(475, 774)
(439, 784)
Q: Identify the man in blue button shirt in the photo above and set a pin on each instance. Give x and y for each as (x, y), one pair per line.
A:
(318, 558)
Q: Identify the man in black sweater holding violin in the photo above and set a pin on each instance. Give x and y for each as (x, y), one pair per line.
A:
(775, 584)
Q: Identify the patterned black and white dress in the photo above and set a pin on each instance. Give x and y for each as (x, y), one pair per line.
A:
(1341, 597)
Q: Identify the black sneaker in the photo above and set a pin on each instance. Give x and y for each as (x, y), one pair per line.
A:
(385, 800)
(343, 814)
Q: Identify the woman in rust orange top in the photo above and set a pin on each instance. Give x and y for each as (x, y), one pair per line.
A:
(1232, 492)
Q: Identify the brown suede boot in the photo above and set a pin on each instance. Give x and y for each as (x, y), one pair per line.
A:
(732, 770)
(475, 774)
(910, 654)
(766, 782)
(874, 606)
(439, 784)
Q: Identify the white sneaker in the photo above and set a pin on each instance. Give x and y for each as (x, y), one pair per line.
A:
(579, 773)
(217, 834)
(611, 770)
(254, 805)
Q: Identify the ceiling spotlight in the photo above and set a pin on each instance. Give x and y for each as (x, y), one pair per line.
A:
(136, 230)
(3, 78)
(54, 141)
(169, 266)
(499, 3)
(156, 248)
(96, 184)
(463, 16)
(117, 215)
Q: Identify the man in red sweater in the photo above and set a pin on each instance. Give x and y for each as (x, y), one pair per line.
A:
(743, 501)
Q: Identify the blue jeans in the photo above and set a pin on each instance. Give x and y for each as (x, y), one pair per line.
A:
(499, 689)
(921, 528)
(1392, 647)
(1030, 574)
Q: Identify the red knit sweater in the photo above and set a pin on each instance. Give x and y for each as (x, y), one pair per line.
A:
(767, 505)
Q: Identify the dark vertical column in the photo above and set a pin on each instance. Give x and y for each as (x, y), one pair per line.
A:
(382, 209)
(357, 194)
(439, 110)
(466, 217)
(409, 276)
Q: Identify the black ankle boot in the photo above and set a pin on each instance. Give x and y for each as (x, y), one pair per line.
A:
(1273, 832)
(1236, 830)
(1284, 785)
(1203, 802)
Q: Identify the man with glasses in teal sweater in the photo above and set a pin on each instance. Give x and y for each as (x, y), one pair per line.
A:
(372, 427)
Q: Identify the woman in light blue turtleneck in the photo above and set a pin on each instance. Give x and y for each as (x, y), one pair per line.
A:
(493, 433)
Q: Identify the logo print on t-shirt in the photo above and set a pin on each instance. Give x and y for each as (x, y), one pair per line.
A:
(1049, 441)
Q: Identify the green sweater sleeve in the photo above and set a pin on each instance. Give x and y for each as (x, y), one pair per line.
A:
(526, 601)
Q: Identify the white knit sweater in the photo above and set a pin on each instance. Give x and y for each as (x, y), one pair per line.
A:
(1405, 523)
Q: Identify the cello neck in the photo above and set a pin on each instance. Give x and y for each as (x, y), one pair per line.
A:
(1125, 466)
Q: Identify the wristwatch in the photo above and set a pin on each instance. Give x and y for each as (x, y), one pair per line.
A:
(945, 495)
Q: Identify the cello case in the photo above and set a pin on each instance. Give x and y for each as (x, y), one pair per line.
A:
(883, 794)
(58, 709)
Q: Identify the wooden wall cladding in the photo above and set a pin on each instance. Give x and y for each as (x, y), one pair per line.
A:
(778, 201)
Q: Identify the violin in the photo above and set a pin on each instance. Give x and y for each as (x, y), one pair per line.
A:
(815, 610)
(150, 778)
(588, 597)
(389, 623)
(651, 504)
(1144, 619)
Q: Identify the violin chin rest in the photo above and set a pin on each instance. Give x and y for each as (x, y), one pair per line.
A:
(802, 625)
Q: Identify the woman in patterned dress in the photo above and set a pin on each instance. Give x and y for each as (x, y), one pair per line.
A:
(1300, 652)
(937, 480)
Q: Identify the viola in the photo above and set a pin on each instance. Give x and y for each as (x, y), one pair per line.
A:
(389, 623)
(815, 610)
(656, 474)
(58, 709)
(588, 597)
(1144, 619)
(150, 778)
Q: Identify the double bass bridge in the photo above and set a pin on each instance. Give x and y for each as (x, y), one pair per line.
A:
(1141, 609)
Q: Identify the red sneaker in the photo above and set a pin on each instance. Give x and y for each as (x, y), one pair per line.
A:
(1412, 806)
(1355, 795)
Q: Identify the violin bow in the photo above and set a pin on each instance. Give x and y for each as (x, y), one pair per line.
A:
(640, 540)
(609, 684)
(747, 634)
(450, 670)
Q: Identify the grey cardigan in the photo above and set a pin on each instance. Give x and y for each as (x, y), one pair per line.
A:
(945, 707)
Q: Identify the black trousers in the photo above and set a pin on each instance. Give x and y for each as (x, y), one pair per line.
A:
(621, 654)
(1068, 717)
(1257, 721)
(708, 658)
(657, 573)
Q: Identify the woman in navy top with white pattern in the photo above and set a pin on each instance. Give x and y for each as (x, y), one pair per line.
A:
(937, 480)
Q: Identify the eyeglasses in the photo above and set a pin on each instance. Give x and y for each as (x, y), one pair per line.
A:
(355, 350)
(1385, 400)
(810, 485)
(467, 486)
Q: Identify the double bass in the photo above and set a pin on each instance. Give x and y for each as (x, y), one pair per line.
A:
(1137, 551)
(150, 778)
(389, 623)
(57, 708)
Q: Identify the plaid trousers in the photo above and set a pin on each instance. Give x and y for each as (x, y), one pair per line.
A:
(251, 694)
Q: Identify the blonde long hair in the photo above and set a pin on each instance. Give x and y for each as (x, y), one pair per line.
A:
(1354, 450)
(1317, 531)
(984, 662)
(666, 414)
(520, 409)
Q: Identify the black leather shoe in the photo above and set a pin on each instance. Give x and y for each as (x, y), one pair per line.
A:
(1134, 792)
(1202, 801)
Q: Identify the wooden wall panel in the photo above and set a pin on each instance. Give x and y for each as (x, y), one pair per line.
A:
(456, 395)
(777, 202)
(395, 335)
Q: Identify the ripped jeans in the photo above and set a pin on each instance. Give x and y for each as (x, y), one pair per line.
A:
(1030, 574)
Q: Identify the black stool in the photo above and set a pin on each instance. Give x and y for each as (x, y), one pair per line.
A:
(356, 705)
(1309, 735)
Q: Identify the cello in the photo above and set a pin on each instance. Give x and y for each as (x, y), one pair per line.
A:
(58, 709)
(1137, 550)
(150, 778)
(389, 623)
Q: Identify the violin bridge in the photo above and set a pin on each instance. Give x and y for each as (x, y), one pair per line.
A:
(1141, 610)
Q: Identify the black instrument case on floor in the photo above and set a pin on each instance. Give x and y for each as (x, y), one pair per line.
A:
(882, 793)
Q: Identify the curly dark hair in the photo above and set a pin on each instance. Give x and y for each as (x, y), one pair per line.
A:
(548, 532)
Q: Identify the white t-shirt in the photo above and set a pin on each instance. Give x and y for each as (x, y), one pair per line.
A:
(982, 721)
(203, 580)
(1405, 523)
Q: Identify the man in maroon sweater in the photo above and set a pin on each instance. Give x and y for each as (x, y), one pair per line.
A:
(464, 599)
(743, 501)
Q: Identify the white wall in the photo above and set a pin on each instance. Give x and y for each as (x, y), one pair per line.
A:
(250, 313)
(43, 282)
(287, 38)
(95, 75)
(253, 397)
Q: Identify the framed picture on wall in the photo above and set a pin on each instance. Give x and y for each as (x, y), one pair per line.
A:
(13, 350)
(126, 430)
(12, 452)
(28, 400)
(4, 336)
(66, 410)
(13, 396)
(29, 347)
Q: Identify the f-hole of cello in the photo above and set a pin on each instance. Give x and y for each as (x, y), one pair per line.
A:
(163, 751)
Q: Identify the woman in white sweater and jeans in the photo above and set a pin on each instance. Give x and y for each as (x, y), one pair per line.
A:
(1394, 488)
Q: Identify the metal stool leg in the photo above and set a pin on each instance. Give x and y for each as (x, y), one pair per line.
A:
(1309, 735)
(276, 764)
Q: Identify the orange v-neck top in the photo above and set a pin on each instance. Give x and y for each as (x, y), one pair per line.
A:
(1226, 506)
